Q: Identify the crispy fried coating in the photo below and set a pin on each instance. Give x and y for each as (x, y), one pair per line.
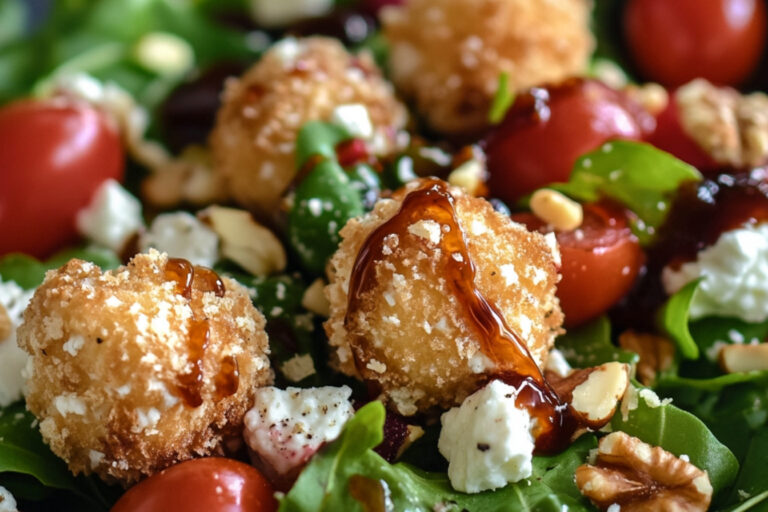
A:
(412, 334)
(109, 355)
(297, 80)
(448, 54)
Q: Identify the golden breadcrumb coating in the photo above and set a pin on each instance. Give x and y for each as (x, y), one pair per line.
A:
(419, 344)
(448, 54)
(297, 80)
(108, 355)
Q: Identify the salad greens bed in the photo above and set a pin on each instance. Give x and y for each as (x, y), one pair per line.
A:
(718, 420)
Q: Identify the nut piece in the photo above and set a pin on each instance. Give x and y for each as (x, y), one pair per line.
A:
(314, 299)
(557, 210)
(188, 178)
(470, 176)
(6, 326)
(593, 392)
(656, 353)
(245, 241)
(642, 477)
(743, 358)
(651, 96)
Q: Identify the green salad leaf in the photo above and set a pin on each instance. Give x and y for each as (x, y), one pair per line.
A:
(590, 345)
(318, 139)
(750, 492)
(502, 100)
(29, 272)
(324, 485)
(639, 176)
(673, 319)
(679, 432)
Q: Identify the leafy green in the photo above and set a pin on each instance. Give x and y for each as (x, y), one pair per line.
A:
(673, 319)
(502, 100)
(318, 139)
(325, 482)
(678, 432)
(635, 174)
(28, 272)
(753, 479)
(712, 384)
(590, 345)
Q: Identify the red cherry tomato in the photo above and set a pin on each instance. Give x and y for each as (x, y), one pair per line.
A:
(600, 262)
(53, 156)
(670, 136)
(673, 42)
(213, 484)
(546, 130)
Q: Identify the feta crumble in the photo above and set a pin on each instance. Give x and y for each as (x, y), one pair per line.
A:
(286, 427)
(12, 359)
(735, 271)
(487, 440)
(354, 119)
(7, 501)
(182, 235)
(112, 216)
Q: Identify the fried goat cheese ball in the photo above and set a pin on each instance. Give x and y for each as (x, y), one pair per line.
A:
(447, 55)
(296, 81)
(132, 370)
(399, 321)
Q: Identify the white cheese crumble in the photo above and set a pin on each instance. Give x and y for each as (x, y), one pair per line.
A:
(280, 13)
(7, 501)
(182, 235)
(286, 427)
(735, 271)
(557, 363)
(112, 216)
(354, 119)
(298, 367)
(487, 440)
(12, 358)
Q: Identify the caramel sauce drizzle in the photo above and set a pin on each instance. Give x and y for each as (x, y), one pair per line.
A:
(190, 384)
(514, 364)
(370, 493)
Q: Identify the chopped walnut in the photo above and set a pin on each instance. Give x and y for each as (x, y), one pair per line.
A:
(638, 477)
(656, 353)
(651, 96)
(5, 324)
(732, 128)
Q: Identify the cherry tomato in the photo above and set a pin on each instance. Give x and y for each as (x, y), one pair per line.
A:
(546, 130)
(670, 136)
(600, 262)
(673, 42)
(213, 484)
(54, 154)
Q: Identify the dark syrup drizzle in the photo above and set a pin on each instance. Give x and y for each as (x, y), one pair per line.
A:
(557, 422)
(190, 385)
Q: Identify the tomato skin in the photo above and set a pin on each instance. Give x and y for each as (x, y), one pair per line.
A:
(600, 262)
(546, 130)
(673, 42)
(53, 154)
(213, 484)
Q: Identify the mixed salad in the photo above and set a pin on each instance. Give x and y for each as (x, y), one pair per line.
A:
(383, 255)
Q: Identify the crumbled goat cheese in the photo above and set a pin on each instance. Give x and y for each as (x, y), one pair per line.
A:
(112, 217)
(735, 271)
(273, 13)
(7, 501)
(286, 427)
(354, 119)
(12, 359)
(182, 235)
(298, 367)
(556, 363)
(487, 440)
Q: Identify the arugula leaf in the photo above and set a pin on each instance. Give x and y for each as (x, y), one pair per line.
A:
(713, 384)
(28, 272)
(679, 432)
(502, 100)
(639, 176)
(753, 479)
(590, 345)
(325, 482)
(673, 319)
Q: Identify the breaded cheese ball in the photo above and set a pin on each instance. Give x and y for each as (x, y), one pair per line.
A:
(411, 333)
(447, 55)
(114, 361)
(297, 80)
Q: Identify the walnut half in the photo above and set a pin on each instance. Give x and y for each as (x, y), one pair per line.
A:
(638, 477)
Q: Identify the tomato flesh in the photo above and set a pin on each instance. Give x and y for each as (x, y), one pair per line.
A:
(213, 484)
(673, 42)
(600, 262)
(546, 130)
(54, 155)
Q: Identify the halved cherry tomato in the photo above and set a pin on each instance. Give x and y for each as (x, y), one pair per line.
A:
(53, 156)
(673, 42)
(546, 130)
(600, 261)
(213, 484)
